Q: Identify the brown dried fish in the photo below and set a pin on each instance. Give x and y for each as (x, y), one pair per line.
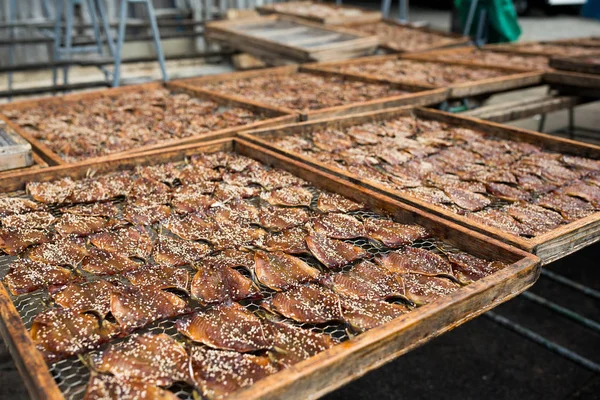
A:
(339, 226)
(393, 234)
(172, 251)
(32, 220)
(26, 276)
(146, 215)
(333, 202)
(331, 140)
(145, 192)
(539, 219)
(310, 304)
(279, 270)
(130, 242)
(214, 283)
(231, 258)
(16, 205)
(366, 281)
(333, 253)
(289, 241)
(14, 240)
(290, 196)
(226, 327)
(80, 225)
(423, 289)
(467, 200)
(102, 262)
(187, 200)
(93, 210)
(103, 387)
(278, 219)
(500, 219)
(468, 268)
(160, 277)
(153, 359)
(65, 251)
(584, 191)
(508, 193)
(363, 315)
(571, 208)
(86, 297)
(415, 260)
(55, 192)
(580, 162)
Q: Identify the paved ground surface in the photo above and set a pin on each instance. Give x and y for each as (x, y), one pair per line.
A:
(482, 360)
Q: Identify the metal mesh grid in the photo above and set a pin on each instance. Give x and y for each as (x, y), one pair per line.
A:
(72, 374)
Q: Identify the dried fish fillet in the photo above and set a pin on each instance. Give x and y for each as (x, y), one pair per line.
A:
(224, 192)
(415, 260)
(55, 192)
(571, 208)
(279, 270)
(32, 220)
(506, 192)
(104, 387)
(153, 359)
(191, 226)
(167, 173)
(59, 333)
(367, 281)
(539, 219)
(172, 251)
(80, 225)
(291, 196)
(331, 140)
(130, 242)
(292, 344)
(278, 219)
(580, 162)
(467, 200)
(311, 304)
(145, 192)
(220, 373)
(333, 202)
(26, 276)
(102, 262)
(289, 241)
(217, 284)
(468, 268)
(363, 315)
(93, 210)
(231, 258)
(226, 327)
(16, 205)
(14, 240)
(423, 289)
(501, 220)
(333, 253)
(187, 201)
(584, 191)
(339, 226)
(134, 307)
(65, 251)
(86, 297)
(160, 277)
(146, 215)
(393, 234)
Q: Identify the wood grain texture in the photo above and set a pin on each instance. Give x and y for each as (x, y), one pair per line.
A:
(580, 64)
(574, 83)
(364, 15)
(328, 370)
(555, 244)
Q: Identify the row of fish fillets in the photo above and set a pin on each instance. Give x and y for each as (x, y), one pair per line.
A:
(203, 243)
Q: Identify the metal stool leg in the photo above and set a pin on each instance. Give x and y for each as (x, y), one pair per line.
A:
(68, 37)
(106, 26)
(403, 4)
(120, 39)
(95, 27)
(481, 25)
(386, 5)
(57, 38)
(470, 17)
(157, 44)
(12, 16)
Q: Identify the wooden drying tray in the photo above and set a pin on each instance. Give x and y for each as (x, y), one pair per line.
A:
(422, 95)
(455, 38)
(518, 47)
(363, 15)
(456, 91)
(574, 83)
(434, 55)
(276, 117)
(590, 41)
(580, 64)
(341, 364)
(550, 246)
(264, 37)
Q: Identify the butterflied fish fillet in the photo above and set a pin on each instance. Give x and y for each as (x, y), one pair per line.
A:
(468, 268)
(235, 235)
(539, 219)
(571, 208)
(187, 201)
(363, 315)
(84, 297)
(14, 240)
(145, 192)
(581, 162)
(467, 200)
(218, 284)
(289, 241)
(279, 270)
(191, 227)
(220, 373)
(33, 220)
(582, 190)
(160, 277)
(176, 252)
(93, 210)
(105, 387)
(429, 195)
(65, 251)
(236, 210)
(278, 219)
(26, 276)
(146, 215)
(59, 333)
(224, 192)
(508, 193)
(422, 289)
(55, 192)
(89, 190)
(167, 173)
(339, 226)
(593, 179)
(534, 183)
(414, 260)
(292, 344)
(333, 202)
(213, 160)
(130, 242)
(367, 281)
(276, 179)
(226, 327)
(231, 258)
(80, 225)
(363, 136)
(135, 307)
(291, 196)
(238, 163)
(331, 140)
(153, 359)
(333, 253)
(393, 234)
(311, 304)
(501, 220)
(195, 174)
(15, 205)
(102, 262)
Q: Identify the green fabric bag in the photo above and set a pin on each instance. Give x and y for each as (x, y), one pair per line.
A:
(503, 25)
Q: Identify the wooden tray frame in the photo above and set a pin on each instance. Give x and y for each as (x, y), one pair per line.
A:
(432, 56)
(423, 95)
(458, 39)
(516, 47)
(277, 117)
(457, 91)
(220, 31)
(341, 364)
(574, 83)
(576, 64)
(549, 247)
(366, 16)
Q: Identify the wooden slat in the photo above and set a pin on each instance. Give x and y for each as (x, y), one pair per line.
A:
(574, 83)
(583, 64)
(363, 16)
(548, 247)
